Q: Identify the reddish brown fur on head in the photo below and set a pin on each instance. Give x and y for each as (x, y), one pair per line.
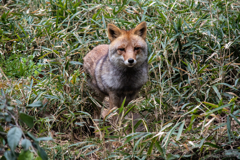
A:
(114, 32)
(129, 43)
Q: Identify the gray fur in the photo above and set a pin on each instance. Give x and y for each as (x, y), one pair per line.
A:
(120, 80)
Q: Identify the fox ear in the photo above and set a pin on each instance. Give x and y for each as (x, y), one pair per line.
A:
(113, 32)
(141, 30)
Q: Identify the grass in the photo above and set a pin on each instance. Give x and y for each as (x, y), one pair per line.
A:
(189, 108)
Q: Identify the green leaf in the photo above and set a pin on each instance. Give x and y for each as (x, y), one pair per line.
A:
(122, 106)
(13, 137)
(10, 155)
(2, 93)
(134, 136)
(96, 14)
(140, 140)
(226, 85)
(210, 104)
(235, 118)
(180, 130)
(217, 92)
(160, 149)
(84, 113)
(35, 104)
(229, 128)
(176, 90)
(25, 155)
(26, 144)
(75, 63)
(172, 157)
(137, 124)
(129, 110)
(1, 129)
(42, 153)
(88, 146)
(212, 145)
(44, 139)
(169, 134)
(32, 136)
(202, 69)
(217, 109)
(92, 151)
(27, 119)
(38, 158)
(151, 146)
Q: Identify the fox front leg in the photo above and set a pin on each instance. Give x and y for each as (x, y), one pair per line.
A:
(113, 102)
(96, 116)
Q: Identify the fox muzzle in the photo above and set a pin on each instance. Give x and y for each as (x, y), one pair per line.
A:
(130, 62)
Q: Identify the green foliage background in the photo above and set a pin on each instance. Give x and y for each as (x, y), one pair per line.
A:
(189, 108)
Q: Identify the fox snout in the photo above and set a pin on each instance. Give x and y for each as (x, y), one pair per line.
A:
(130, 55)
(130, 62)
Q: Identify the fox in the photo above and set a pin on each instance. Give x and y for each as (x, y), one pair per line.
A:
(118, 70)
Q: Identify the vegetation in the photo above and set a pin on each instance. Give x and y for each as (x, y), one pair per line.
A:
(188, 109)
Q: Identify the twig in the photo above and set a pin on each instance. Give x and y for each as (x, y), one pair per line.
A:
(3, 74)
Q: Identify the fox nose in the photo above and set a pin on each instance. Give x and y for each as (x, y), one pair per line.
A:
(130, 60)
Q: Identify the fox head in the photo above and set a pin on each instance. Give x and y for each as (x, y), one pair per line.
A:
(127, 48)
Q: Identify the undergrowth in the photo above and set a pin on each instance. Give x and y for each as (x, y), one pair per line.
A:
(189, 108)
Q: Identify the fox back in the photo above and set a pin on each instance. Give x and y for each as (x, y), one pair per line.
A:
(120, 69)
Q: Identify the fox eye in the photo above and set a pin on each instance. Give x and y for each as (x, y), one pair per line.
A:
(121, 49)
(136, 48)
